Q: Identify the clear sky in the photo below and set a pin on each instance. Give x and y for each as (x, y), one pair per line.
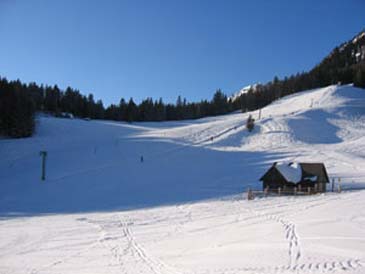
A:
(156, 48)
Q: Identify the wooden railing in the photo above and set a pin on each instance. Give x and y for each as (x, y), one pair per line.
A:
(285, 191)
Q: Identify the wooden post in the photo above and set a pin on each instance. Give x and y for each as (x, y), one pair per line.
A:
(279, 191)
(295, 190)
(309, 190)
(249, 194)
(333, 184)
(339, 184)
(300, 188)
(44, 155)
(315, 190)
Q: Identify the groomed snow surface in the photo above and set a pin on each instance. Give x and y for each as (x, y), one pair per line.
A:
(183, 209)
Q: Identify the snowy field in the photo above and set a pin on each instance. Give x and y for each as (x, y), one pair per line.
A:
(183, 209)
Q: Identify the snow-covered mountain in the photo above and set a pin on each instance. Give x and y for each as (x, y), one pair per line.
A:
(357, 45)
(349, 53)
(244, 90)
(182, 208)
(344, 64)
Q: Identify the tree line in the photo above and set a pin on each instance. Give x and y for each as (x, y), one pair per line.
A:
(19, 102)
(157, 110)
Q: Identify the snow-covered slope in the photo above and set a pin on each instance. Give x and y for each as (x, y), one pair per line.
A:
(181, 210)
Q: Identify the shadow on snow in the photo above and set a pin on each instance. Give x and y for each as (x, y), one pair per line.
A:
(115, 178)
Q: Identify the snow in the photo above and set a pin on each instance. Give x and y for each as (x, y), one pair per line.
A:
(343, 46)
(311, 178)
(244, 90)
(292, 172)
(361, 35)
(183, 210)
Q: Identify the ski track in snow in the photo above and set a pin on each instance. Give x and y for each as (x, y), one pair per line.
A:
(294, 249)
(115, 234)
(132, 247)
(156, 266)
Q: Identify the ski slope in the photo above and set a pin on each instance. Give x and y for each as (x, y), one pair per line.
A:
(183, 209)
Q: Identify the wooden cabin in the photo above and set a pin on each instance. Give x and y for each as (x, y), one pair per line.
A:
(290, 177)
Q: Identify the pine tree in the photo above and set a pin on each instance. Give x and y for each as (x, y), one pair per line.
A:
(122, 112)
(359, 77)
(132, 111)
(17, 111)
(220, 103)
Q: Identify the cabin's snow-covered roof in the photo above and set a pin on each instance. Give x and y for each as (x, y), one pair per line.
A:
(292, 172)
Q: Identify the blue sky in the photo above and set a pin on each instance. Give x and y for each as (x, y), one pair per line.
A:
(162, 49)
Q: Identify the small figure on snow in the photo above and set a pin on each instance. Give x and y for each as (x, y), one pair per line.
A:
(250, 123)
(141, 159)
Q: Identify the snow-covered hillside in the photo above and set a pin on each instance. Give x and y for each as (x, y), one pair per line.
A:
(102, 209)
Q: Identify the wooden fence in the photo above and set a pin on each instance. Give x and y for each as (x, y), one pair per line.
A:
(287, 191)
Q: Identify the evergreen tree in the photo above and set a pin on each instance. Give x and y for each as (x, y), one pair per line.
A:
(122, 113)
(132, 111)
(17, 111)
(359, 77)
(220, 103)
